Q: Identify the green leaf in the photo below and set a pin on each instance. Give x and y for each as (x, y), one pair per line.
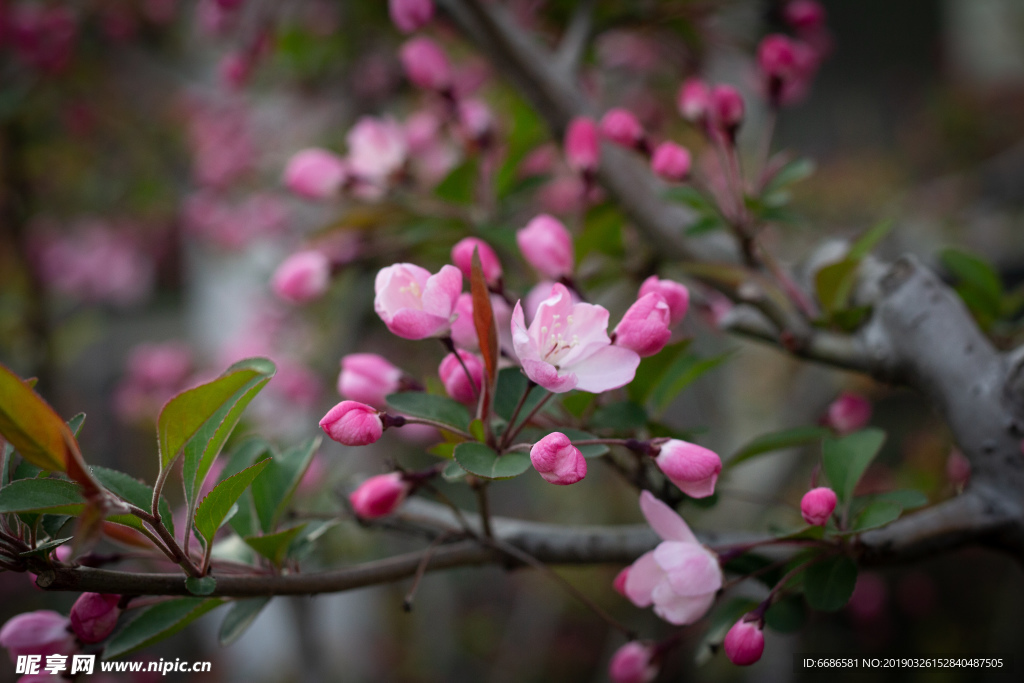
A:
(792, 172)
(44, 548)
(155, 623)
(482, 461)
(185, 415)
(29, 424)
(244, 521)
(624, 416)
(459, 186)
(274, 546)
(651, 371)
(592, 451)
(453, 471)
(239, 618)
(444, 450)
(305, 542)
(601, 233)
(130, 489)
(428, 406)
(787, 615)
(53, 496)
(908, 499)
(979, 283)
(686, 194)
(213, 509)
(476, 428)
(704, 225)
(777, 441)
(846, 458)
(877, 514)
(683, 372)
(75, 424)
(834, 283)
(204, 447)
(272, 492)
(201, 585)
(829, 584)
(512, 384)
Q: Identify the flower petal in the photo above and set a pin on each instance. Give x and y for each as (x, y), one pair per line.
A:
(548, 377)
(665, 521)
(411, 324)
(442, 291)
(691, 569)
(680, 609)
(644, 575)
(608, 368)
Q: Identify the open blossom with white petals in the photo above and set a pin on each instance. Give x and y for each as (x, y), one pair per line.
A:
(680, 577)
(567, 346)
(415, 304)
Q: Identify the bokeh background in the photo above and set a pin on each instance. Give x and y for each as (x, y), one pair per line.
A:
(141, 150)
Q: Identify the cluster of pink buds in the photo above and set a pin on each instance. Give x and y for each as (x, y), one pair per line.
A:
(669, 161)
(93, 618)
(717, 110)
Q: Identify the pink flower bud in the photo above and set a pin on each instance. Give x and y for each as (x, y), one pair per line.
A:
(462, 256)
(645, 326)
(726, 108)
(805, 15)
(411, 15)
(302, 277)
(557, 460)
(582, 148)
(621, 127)
(368, 378)
(37, 633)
(379, 496)
(818, 505)
(415, 304)
(787, 66)
(315, 174)
(353, 423)
(631, 663)
(676, 295)
(619, 584)
(475, 120)
(94, 616)
(694, 469)
(848, 413)
(454, 378)
(234, 70)
(776, 56)
(694, 100)
(547, 246)
(958, 468)
(670, 162)
(744, 643)
(426, 65)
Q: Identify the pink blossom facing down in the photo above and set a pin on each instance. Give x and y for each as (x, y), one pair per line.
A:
(557, 460)
(848, 413)
(645, 326)
(376, 149)
(680, 577)
(694, 469)
(726, 109)
(676, 295)
(302, 277)
(805, 15)
(94, 616)
(462, 257)
(694, 100)
(788, 67)
(671, 162)
(547, 246)
(622, 127)
(582, 147)
(379, 496)
(631, 663)
(415, 304)
(353, 424)
(567, 346)
(619, 583)
(368, 378)
(463, 388)
(410, 15)
(43, 632)
(817, 505)
(315, 174)
(744, 643)
(426, 64)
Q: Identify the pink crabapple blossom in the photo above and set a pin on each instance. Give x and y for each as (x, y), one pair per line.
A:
(464, 330)
(43, 632)
(410, 15)
(680, 577)
(462, 257)
(415, 304)
(567, 346)
(671, 162)
(622, 127)
(368, 378)
(376, 149)
(557, 460)
(582, 146)
(694, 469)
(817, 505)
(694, 100)
(645, 326)
(958, 468)
(547, 246)
(619, 583)
(805, 15)
(848, 413)
(459, 386)
(302, 277)
(726, 109)
(631, 663)
(379, 496)
(426, 64)
(744, 643)
(315, 173)
(353, 424)
(676, 295)
(94, 616)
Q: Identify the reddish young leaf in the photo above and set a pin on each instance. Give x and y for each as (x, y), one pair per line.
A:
(31, 425)
(483, 318)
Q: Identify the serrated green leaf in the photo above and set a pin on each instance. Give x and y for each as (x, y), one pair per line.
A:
(239, 618)
(245, 521)
(214, 508)
(829, 584)
(29, 424)
(444, 450)
(130, 489)
(45, 547)
(153, 624)
(777, 441)
(453, 471)
(75, 424)
(273, 491)
(846, 458)
(52, 496)
(274, 546)
(428, 406)
(591, 451)
(201, 585)
(483, 461)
